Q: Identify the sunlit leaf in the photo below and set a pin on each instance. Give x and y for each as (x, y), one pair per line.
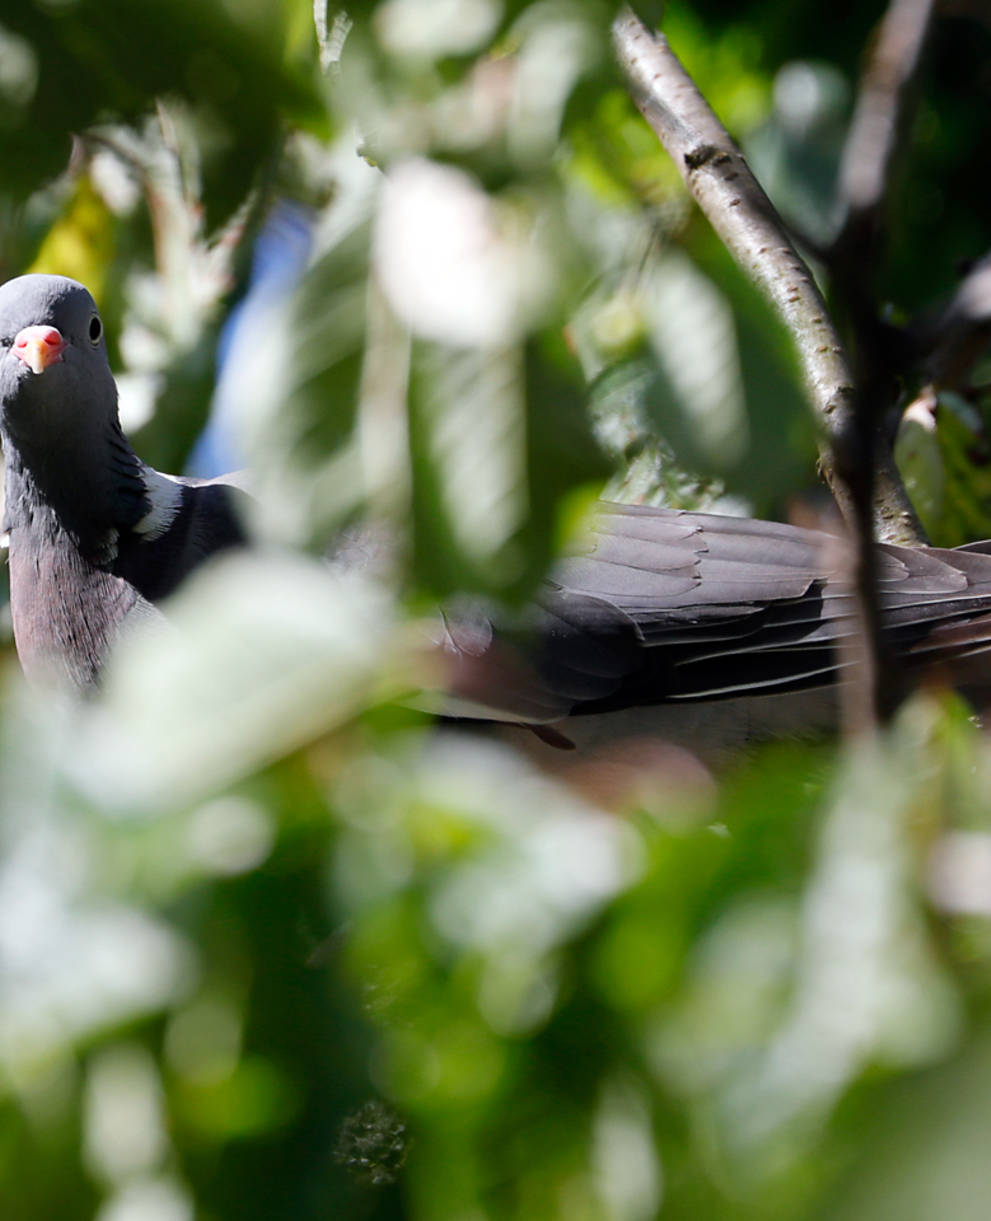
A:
(260, 654)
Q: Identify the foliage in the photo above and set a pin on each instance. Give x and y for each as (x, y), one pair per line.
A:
(272, 943)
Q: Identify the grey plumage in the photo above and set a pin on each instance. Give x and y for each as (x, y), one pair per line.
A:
(656, 607)
(690, 606)
(95, 536)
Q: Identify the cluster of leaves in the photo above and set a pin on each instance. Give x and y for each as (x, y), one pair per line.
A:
(271, 944)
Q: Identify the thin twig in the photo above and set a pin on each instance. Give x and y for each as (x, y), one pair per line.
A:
(954, 340)
(875, 142)
(879, 127)
(876, 139)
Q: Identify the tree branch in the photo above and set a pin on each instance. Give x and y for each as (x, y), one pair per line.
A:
(878, 128)
(736, 206)
(881, 120)
(856, 462)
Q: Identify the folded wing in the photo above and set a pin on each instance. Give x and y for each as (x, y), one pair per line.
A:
(664, 606)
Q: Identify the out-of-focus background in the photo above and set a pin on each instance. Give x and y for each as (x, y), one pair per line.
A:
(270, 945)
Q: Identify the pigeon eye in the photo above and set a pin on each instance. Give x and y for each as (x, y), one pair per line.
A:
(95, 329)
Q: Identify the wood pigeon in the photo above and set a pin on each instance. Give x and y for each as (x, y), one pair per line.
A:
(96, 536)
(657, 608)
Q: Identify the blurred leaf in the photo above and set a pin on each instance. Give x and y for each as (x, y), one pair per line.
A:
(562, 454)
(273, 945)
(920, 1152)
(718, 384)
(943, 452)
(79, 245)
(468, 459)
(96, 56)
(181, 392)
(274, 649)
(296, 376)
(781, 442)
(796, 153)
(696, 394)
(254, 1099)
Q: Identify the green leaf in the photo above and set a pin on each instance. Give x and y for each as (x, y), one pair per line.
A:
(97, 58)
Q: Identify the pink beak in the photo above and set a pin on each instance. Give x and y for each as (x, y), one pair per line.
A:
(39, 347)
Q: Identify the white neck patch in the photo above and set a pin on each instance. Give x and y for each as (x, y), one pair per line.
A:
(165, 496)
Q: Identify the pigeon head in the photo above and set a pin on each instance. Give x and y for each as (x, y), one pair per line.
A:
(55, 380)
(68, 463)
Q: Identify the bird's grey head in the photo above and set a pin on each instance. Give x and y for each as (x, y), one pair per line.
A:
(55, 380)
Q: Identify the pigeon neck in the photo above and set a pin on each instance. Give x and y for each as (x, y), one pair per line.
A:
(83, 498)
